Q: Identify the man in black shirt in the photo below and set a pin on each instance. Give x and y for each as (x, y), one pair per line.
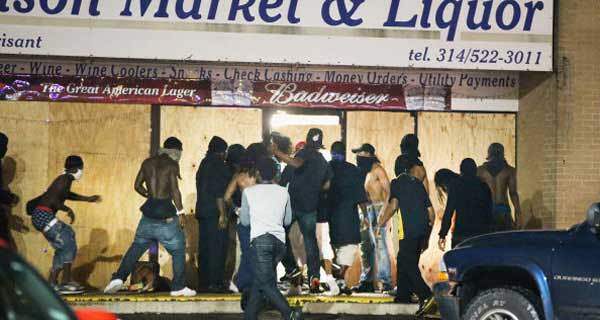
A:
(345, 194)
(472, 201)
(7, 198)
(212, 179)
(310, 175)
(409, 196)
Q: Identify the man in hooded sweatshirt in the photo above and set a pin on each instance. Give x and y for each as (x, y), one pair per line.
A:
(212, 179)
(502, 180)
(409, 152)
(471, 200)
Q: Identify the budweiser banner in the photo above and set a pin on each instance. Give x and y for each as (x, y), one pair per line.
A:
(105, 90)
(330, 95)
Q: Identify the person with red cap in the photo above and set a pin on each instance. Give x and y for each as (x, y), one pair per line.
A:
(60, 235)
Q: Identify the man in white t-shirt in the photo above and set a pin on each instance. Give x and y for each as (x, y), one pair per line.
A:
(266, 209)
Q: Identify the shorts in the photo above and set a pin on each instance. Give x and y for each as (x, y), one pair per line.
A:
(324, 241)
(346, 254)
(62, 238)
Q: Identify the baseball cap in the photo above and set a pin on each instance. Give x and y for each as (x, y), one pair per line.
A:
(365, 148)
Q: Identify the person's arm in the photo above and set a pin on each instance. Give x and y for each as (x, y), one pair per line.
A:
(77, 197)
(175, 193)
(295, 162)
(385, 182)
(390, 208)
(448, 212)
(245, 211)
(139, 183)
(287, 219)
(514, 197)
(231, 188)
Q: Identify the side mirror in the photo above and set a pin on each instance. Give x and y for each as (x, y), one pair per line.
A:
(91, 314)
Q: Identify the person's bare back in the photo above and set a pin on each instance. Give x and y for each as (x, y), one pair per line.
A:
(498, 184)
(157, 179)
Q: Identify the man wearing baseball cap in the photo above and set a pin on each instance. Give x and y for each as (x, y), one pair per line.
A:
(60, 235)
(306, 185)
(374, 250)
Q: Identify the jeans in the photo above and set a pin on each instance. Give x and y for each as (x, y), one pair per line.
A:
(62, 238)
(245, 274)
(212, 253)
(307, 221)
(409, 278)
(166, 232)
(374, 252)
(267, 252)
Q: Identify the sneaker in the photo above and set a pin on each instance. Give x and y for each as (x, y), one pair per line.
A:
(428, 306)
(69, 288)
(114, 286)
(315, 285)
(334, 289)
(291, 275)
(185, 292)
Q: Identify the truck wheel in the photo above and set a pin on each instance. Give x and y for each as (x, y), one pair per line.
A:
(501, 304)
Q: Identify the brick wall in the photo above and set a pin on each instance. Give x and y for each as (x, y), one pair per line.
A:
(558, 136)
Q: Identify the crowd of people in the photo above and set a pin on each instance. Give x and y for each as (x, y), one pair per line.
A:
(259, 193)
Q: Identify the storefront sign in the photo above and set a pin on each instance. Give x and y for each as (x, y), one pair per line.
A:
(104, 90)
(232, 84)
(449, 34)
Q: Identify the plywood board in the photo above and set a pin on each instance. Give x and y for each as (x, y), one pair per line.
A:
(384, 130)
(113, 140)
(195, 127)
(447, 138)
(25, 170)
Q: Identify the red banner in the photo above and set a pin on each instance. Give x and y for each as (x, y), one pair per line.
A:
(105, 90)
(328, 95)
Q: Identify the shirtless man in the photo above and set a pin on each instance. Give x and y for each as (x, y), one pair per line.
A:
(157, 181)
(502, 180)
(374, 250)
(61, 236)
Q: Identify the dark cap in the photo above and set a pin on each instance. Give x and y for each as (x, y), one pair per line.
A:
(73, 162)
(314, 138)
(173, 143)
(338, 147)
(266, 167)
(365, 148)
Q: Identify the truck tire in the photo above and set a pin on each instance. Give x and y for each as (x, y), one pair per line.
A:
(501, 303)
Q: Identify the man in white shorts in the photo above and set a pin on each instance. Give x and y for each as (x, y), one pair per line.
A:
(345, 194)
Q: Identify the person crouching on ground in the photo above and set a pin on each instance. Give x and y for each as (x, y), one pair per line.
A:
(61, 236)
(266, 209)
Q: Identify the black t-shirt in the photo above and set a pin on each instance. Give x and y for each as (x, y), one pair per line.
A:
(345, 193)
(307, 182)
(413, 203)
(212, 179)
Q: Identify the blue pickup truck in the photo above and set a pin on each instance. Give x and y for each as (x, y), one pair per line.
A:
(524, 275)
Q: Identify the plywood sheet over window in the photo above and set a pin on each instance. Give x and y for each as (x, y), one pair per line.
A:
(445, 140)
(195, 127)
(113, 141)
(25, 170)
